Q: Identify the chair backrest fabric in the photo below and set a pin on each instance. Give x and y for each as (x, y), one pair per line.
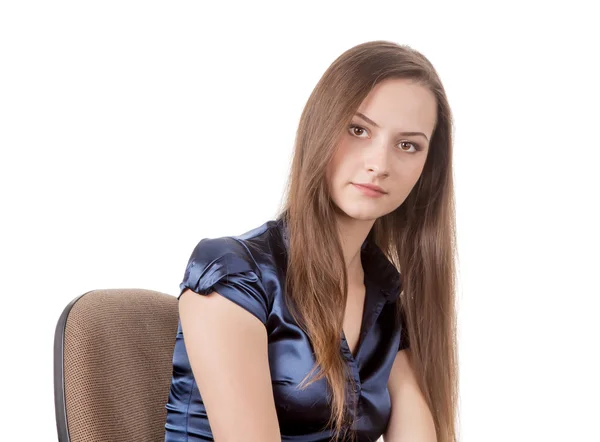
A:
(113, 365)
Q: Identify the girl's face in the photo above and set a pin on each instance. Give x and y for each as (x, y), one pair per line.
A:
(378, 149)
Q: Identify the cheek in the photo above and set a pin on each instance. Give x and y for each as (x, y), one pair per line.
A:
(411, 171)
(416, 173)
(419, 170)
(408, 174)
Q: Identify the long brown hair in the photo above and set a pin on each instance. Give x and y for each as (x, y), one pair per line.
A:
(418, 237)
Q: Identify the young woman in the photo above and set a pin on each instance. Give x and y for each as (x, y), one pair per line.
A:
(336, 320)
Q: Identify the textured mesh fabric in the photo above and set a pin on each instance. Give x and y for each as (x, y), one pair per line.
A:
(118, 351)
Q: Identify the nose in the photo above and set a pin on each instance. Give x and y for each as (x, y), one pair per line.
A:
(376, 161)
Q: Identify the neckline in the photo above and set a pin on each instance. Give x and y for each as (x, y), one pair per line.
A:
(382, 285)
(377, 268)
(370, 312)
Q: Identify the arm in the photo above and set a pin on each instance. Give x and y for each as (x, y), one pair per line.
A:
(227, 349)
(411, 419)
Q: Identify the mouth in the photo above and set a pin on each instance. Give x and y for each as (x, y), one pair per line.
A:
(369, 190)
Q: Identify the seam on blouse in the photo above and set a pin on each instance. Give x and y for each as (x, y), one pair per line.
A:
(249, 254)
(187, 412)
(241, 240)
(257, 272)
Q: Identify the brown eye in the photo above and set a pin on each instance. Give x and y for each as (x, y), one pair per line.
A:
(354, 128)
(414, 146)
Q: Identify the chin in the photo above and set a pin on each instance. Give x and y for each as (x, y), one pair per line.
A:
(359, 213)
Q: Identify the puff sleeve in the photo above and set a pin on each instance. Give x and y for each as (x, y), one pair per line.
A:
(224, 265)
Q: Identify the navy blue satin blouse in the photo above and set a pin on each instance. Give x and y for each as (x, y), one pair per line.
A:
(249, 270)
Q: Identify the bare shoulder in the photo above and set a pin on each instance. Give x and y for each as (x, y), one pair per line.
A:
(227, 349)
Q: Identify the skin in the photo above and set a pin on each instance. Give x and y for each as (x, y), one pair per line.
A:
(378, 154)
(225, 365)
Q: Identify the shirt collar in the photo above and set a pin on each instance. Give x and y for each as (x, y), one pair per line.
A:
(377, 267)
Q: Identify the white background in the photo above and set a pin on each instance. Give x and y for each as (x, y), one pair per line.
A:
(130, 130)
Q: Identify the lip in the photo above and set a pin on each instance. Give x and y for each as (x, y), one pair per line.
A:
(370, 189)
(370, 186)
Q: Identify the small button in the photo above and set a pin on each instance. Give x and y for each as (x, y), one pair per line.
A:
(356, 388)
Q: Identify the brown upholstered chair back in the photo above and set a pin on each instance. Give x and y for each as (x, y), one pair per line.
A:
(113, 353)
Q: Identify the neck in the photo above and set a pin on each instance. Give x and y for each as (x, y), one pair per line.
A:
(353, 233)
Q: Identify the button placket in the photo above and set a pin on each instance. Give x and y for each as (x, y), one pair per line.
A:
(356, 388)
(350, 360)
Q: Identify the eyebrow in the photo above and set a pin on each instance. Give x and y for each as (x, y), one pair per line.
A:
(368, 120)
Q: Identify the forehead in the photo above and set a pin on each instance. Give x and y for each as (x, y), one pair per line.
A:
(401, 102)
